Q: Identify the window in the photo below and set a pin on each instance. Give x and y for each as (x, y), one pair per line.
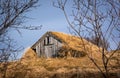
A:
(48, 40)
(44, 41)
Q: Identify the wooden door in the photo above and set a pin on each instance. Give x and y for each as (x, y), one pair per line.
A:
(48, 51)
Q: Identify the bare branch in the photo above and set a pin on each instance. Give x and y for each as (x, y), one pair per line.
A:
(98, 20)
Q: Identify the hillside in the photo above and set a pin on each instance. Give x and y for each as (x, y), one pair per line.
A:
(76, 43)
(30, 66)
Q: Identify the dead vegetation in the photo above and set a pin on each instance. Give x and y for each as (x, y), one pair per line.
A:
(29, 54)
(30, 66)
(73, 46)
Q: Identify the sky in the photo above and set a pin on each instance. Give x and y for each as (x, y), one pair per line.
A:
(51, 19)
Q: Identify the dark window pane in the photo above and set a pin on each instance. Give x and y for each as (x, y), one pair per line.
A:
(48, 40)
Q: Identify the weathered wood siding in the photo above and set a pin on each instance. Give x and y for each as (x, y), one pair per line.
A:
(48, 47)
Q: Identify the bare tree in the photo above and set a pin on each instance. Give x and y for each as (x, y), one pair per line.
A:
(98, 42)
(94, 18)
(12, 15)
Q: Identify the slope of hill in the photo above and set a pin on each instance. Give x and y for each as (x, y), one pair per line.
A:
(30, 66)
(77, 44)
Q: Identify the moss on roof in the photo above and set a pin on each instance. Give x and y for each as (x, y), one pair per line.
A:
(77, 43)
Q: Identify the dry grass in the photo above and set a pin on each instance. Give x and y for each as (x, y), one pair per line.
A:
(30, 66)
(82, 62)
(115, 59)
(78, 44)
(29, 54)
(54, 68)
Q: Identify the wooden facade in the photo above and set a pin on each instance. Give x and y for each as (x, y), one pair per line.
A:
(47, 46)
(56, 44)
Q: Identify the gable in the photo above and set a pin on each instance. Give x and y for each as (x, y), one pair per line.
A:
(47, 34)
